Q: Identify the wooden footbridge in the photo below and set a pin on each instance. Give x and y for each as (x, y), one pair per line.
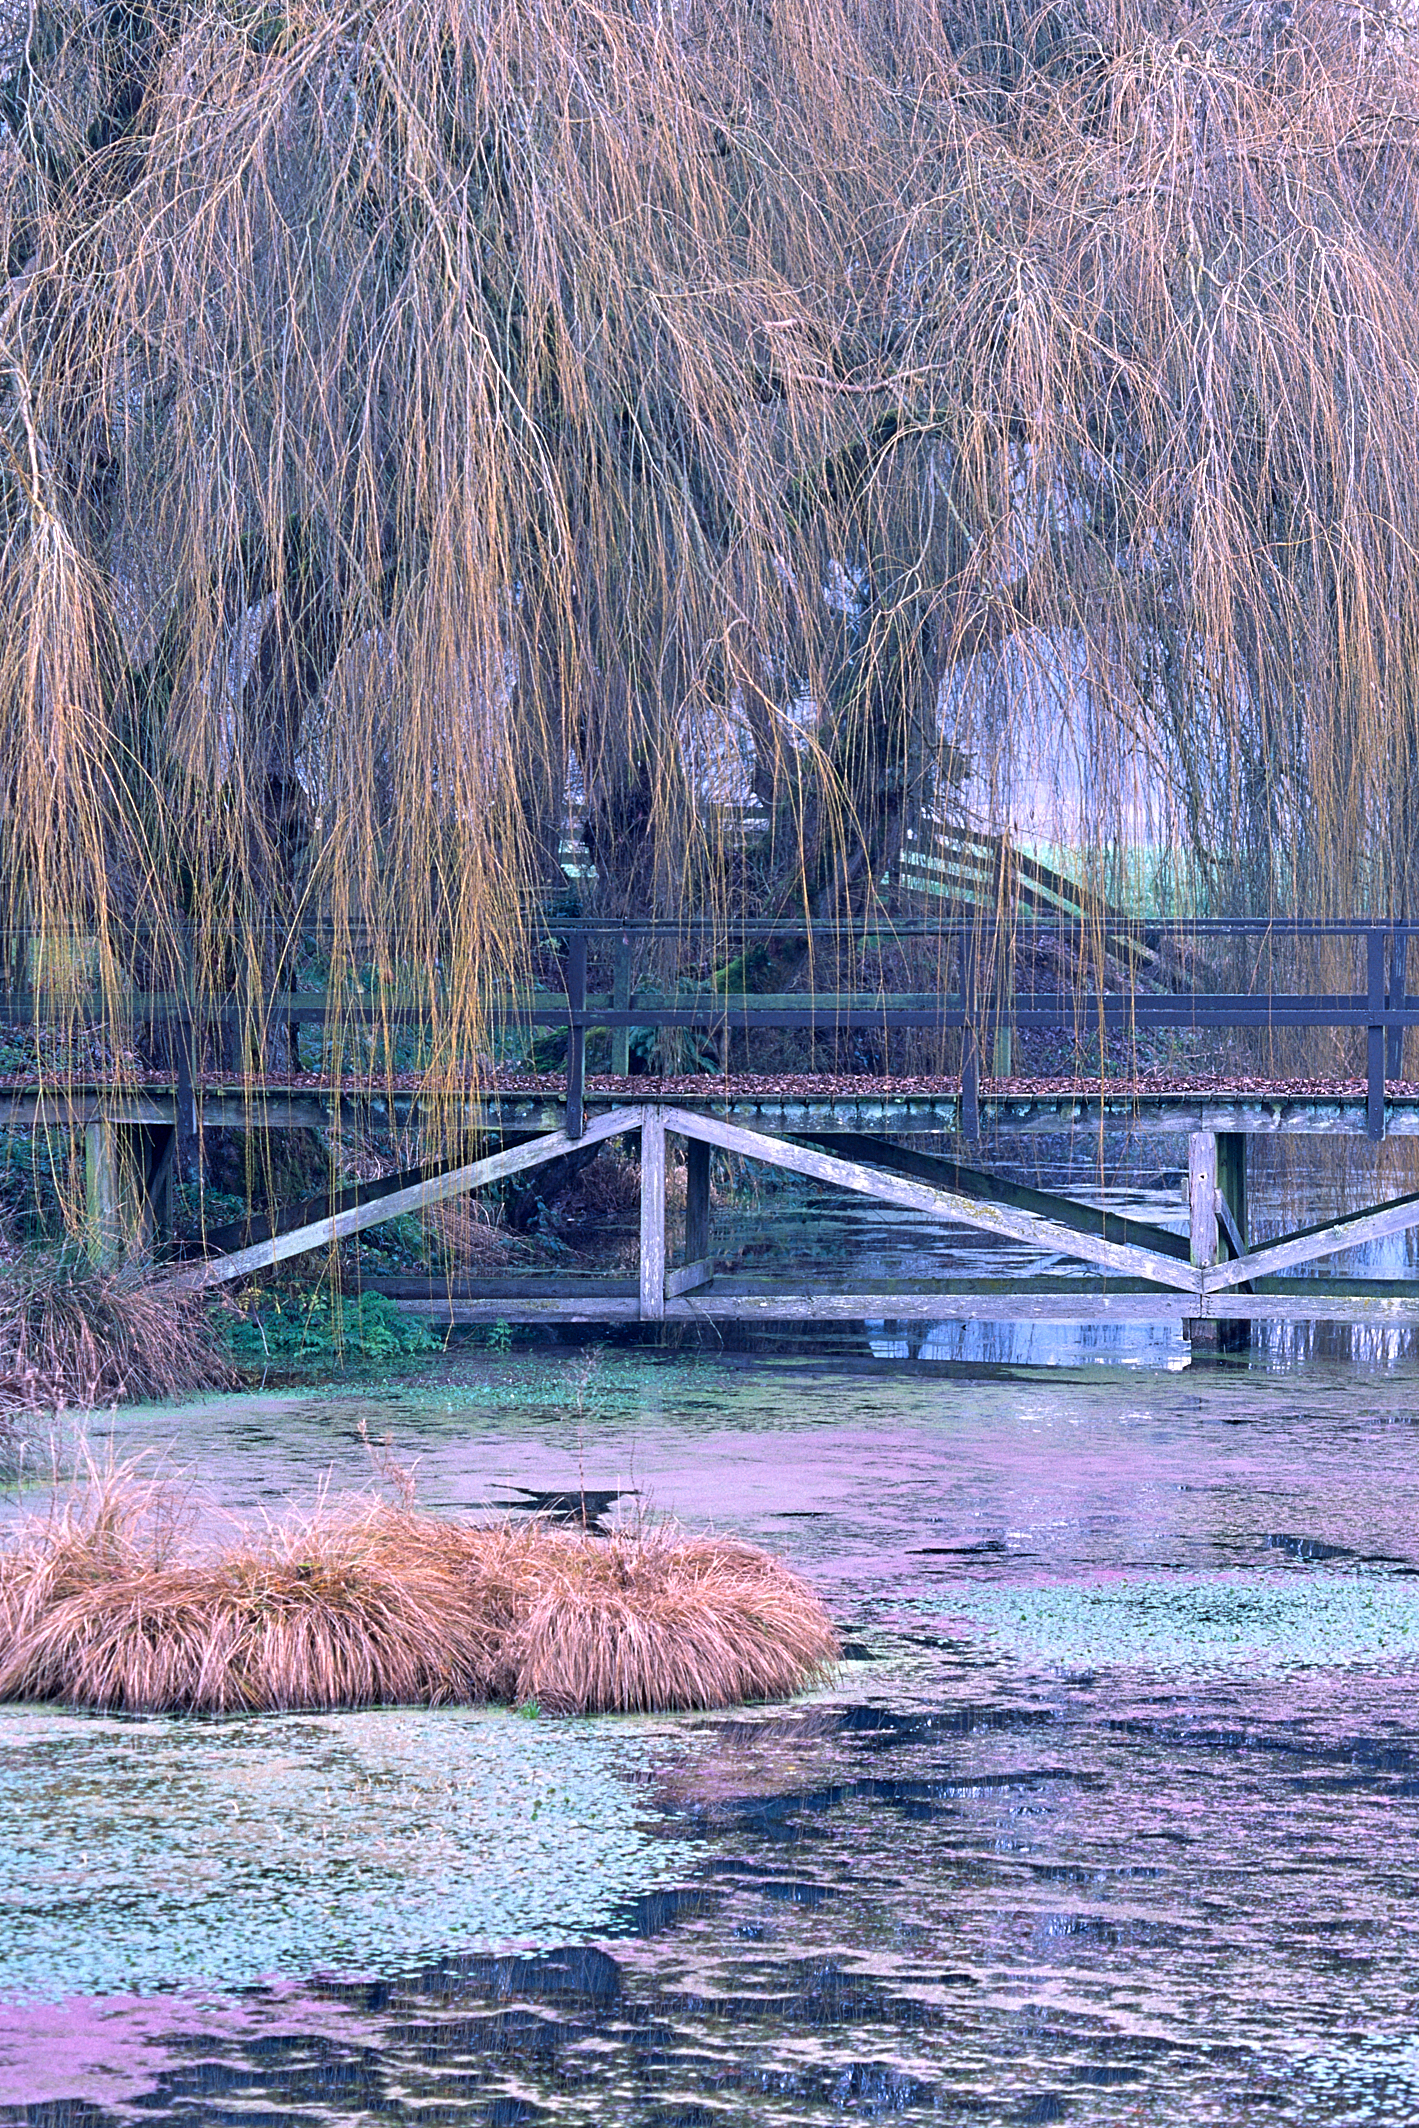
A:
(927, 1145)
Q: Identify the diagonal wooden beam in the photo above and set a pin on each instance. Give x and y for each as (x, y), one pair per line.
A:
(993, 1189)
(912, 1196)
(433, 1189)
(244, 1233)
(1311, 1242)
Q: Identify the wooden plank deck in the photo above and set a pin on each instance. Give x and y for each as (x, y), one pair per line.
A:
(800, 1103)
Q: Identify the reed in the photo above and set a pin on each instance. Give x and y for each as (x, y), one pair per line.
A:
(360, 1605)
(75, 1335)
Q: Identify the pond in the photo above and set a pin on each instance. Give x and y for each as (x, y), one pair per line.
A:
(1111, 1816)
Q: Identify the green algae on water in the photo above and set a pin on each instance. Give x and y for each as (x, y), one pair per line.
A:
(142, 1855)
(1229, 1620)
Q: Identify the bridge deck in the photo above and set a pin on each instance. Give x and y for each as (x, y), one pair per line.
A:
(787, 1102)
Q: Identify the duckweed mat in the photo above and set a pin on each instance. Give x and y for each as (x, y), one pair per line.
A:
(148, 1854)
(1192, 1624)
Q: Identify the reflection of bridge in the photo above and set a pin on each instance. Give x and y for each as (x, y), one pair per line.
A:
(840, 1130)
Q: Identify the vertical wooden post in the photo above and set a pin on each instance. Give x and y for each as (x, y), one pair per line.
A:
(697, 1200)
(1233, 1332)
(1001, 1056)
(969, 1121)
(102, 1236)
(158, 1150)
(1232, 1180)
(621, 1001)
(652, 1280)
(1398, 992)
(576, 1034)
(1202, 1198)
(1201, 1331)
(1375, 1034)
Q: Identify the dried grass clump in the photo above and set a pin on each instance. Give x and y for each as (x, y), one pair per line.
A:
(74, 1335)
(363, 1605)
(646, 1623)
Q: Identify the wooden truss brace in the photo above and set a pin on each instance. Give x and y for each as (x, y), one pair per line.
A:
(1064, 1229)
(1007, 1220)
(1311, 1242)
(1055, 1231)
(433, 1189)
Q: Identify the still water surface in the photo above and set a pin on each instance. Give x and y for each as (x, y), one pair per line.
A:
(1112, 1816)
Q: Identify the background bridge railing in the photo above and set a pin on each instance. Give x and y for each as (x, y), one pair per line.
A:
(981, 998)
(987, 975)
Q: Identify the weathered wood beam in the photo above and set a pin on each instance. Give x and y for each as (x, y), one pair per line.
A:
(652, 1253)
(242, 1233)
(454, 1182)
(1025, 1307)
(1314, 1300)
(403, 1286)
(688, 1276)
(994, 1189)
(697, 1200)
(999, 1219)
(1202, 1197)
(551, 1308)
(1312, 1242)
(103, 1193)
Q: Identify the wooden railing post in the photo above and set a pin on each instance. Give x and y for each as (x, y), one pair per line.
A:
(1398, 992)
(969, 1121)
(621, 1001)
(1375, 1034)
(652, 1264)
(576, 1034)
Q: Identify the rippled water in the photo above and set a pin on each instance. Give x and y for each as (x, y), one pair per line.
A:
(1113, 1815)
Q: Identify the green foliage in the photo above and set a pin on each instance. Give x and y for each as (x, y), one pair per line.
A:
(314, 1329)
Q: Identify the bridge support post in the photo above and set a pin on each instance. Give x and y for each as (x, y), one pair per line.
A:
(1217, 1227)
(697, 1200)
(652, 1264)
(103, 1233)
(128, 1182)
(1201, 1332)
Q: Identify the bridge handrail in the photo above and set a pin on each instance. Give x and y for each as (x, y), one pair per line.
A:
(966, 1001)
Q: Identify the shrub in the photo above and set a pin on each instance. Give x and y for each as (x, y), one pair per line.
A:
(302, 1328)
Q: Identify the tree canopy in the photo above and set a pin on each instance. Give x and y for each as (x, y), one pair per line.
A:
(413, 411)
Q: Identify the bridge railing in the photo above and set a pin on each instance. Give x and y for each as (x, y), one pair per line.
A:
(985, 976)
(979, 997)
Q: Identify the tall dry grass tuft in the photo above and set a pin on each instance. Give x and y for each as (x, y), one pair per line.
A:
(74, 1335)
(361, 1605)
(637, 1625)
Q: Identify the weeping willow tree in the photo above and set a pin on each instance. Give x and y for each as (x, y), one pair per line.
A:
(411, 413)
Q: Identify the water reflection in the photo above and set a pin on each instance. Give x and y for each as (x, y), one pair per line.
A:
(1080, 1344)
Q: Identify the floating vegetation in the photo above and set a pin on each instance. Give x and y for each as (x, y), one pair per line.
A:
(1229, 1620)
(363, 1604)
(361, 1843)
